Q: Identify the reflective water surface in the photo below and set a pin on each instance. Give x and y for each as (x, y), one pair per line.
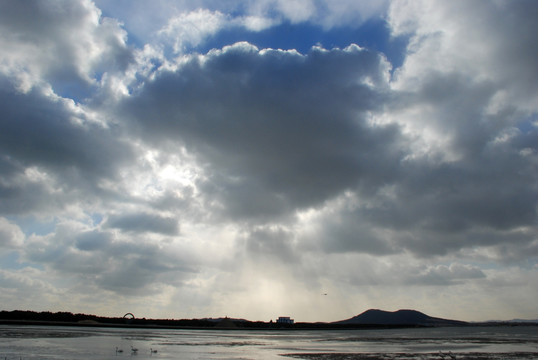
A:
(43, 342)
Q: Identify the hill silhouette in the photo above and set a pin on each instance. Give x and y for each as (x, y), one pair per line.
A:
(369, 319)
(400, 317)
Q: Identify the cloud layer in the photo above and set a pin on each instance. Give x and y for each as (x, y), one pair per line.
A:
(247, 181)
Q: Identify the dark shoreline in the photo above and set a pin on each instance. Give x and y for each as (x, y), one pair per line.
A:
(299, 326)
(19, 317)
(213, 326)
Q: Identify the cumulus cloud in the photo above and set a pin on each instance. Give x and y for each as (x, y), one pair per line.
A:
(66, 43)
(193, 28)
(328, 14)
(448, 275)
(51, 150)
(185, 23)
(11, 235)
(143, 222)
(467, 176)
(125, 264)
(30, 286)
(450, 36)
(280, 129)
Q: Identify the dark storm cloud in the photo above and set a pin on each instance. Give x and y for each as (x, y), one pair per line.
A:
(442, 275)
(39, 130)
(347, 232)
(134, 265)
(144, 222)
(515, 47)
(92, 240)
(99, 258)
(134, 274)
(494, 190)
(475, 186)
(279, 130)
(485, 199)
(488, 187)
(273, 243)
(20, 196)
(69, 151)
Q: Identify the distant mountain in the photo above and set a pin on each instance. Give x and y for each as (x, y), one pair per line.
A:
(400, 317)
(522, 321)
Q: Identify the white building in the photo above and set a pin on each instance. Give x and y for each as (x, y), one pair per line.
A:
(284, 320)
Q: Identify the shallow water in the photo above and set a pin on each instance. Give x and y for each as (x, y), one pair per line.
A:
(43, 342)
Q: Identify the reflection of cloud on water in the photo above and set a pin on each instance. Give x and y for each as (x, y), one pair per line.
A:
(479, 343)
(42, 333)
(216, 343)
(413, 356)
(433, 340)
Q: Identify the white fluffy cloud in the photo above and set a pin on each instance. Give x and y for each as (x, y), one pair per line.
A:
(193, 28)
(67, 44)
(11, 235)
(196, 19)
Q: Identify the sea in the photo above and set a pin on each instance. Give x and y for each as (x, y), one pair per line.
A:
(25, 342)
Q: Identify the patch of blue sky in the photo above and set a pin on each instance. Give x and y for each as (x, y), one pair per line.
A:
(117, 9)
(77, 91)
(373, 34)
(96, 219)
(12, 261)
(32, 226)
(528, 124)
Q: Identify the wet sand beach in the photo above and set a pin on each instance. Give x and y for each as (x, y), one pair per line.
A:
(415, 356)
(32, 342)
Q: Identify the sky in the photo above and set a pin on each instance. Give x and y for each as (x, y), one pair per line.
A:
(243, 158)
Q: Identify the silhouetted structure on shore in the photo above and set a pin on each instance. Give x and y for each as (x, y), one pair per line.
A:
(370, 319)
